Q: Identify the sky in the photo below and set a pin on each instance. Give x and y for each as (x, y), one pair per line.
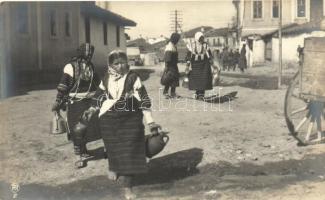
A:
(153, 18)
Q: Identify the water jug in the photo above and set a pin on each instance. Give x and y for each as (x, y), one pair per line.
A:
(58, 124)
(155, 143)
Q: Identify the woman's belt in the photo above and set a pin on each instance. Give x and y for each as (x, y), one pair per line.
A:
(82, 95)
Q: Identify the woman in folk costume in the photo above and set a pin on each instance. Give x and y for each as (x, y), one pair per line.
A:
(77, 86)
(170, 78)
(121, 120)
(199, 61)
(242, 59)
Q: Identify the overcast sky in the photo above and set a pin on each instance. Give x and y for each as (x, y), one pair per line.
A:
(153, 18)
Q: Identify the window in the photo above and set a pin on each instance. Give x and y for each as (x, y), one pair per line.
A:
(105, 32)
(87, 29)
(22, 18)
(117, 36)
(275, 8)
(53, 25)
(301, 8)
(218, 43)
(214, 42)
(257, 9)
(67, 24)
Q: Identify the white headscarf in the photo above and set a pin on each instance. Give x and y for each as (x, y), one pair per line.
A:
(196, 48)
(198, 35)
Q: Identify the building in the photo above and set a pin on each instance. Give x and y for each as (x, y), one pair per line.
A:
(38, 38)
(221, 37)
(259, 25)
(188, 36)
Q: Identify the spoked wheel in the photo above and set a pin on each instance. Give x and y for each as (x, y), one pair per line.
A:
(304, 118)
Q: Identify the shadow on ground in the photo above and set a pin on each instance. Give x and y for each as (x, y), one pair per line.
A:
(177, 175)
(166, 169)
(255, 81)
(250, 81)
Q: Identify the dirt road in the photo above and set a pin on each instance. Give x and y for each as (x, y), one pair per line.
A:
(234, 150)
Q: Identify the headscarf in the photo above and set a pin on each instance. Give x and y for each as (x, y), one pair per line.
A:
(117, 54)
(86, 51)
(198, 49)
(174, 38)
(198, 35)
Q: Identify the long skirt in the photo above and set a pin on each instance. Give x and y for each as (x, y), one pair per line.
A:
(242, 63)
(200, 77)
(123, 136)
(74, 113)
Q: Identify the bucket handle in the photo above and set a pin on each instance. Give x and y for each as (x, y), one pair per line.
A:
(167, 139)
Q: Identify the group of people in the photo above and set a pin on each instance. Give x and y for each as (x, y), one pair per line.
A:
(200, 64)
(120, 102)
(231, 59)
(199, 67)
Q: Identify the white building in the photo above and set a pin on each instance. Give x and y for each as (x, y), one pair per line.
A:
(259, 22)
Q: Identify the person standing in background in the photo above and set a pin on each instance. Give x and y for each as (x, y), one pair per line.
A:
(236, 57)
(225, 55)
(243, 60)
(170, 78)
(199, 60)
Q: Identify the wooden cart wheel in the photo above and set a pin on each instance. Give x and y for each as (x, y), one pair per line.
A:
(304, 117)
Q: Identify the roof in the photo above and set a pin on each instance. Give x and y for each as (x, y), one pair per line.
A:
(218, 32)
(190, 33)
(141, 43)
(90, 9)
(294, 29)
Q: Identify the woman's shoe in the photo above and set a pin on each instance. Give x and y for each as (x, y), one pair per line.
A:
(167, 96)
(175, 96)
(128, 194)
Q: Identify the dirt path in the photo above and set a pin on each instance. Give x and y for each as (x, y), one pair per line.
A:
(235, 150)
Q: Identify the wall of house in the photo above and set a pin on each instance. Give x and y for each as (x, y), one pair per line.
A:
(267, 20)
(23, 46)
(57, 50)
(267, 23)
(211, 44)
(97, 39)
(257, 54)
(5, 64)
(290, 45)
(38, 49)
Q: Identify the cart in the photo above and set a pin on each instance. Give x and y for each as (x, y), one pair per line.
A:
(305, 96)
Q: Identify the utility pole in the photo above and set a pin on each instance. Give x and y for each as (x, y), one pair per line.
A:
(237, 23)
(175, 21)
(280, 45)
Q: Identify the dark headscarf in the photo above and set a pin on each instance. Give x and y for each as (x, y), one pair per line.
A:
(86, 51)
(174, 38)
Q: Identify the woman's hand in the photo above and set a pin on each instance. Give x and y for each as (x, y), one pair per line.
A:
(187, 69)
(87, 115)
(154, 128)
